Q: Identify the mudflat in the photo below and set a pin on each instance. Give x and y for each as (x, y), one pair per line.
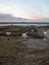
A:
(18, 51)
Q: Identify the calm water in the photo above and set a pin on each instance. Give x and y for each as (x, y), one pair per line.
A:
(24, 24)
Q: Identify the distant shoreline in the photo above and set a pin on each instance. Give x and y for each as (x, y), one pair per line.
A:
(24, 22)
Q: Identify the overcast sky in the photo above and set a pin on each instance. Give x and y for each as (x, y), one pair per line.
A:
(31, 9)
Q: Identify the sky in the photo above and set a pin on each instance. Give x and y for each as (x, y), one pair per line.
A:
(29, 9)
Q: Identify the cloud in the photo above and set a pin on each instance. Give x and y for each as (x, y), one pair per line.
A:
(10, 18)
(36, 15)
(17, 12)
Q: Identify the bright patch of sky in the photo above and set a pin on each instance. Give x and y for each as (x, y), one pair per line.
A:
(31, 9)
